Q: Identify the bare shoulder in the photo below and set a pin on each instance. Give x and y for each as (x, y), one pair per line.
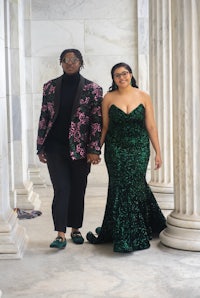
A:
(145, 97)
(142, 93)
(108, 97)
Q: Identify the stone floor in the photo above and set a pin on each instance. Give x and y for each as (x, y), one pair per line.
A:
(88, 271)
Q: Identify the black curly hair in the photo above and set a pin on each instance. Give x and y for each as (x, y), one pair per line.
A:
(126, 66)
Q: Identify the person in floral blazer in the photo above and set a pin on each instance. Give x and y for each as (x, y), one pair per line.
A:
(68, 141)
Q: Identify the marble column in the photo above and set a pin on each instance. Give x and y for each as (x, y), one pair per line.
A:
(143, 52)
(33, 169)
(183, 224)
(12, 235)
(143, 44)
(161, 181)
(26, 198)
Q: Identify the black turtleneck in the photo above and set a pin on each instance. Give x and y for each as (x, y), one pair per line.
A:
(57, 140)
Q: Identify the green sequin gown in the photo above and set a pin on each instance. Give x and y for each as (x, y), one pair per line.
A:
(132, 214)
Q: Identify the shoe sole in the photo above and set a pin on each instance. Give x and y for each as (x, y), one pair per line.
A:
(57, 247)
(74, 241)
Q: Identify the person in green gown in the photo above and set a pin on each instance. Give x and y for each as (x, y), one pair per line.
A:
(132, 215)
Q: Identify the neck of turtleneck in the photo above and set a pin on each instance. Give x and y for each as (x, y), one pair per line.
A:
(72, 79)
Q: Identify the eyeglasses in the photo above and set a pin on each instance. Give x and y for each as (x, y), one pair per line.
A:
(72, 60)
(123, 74)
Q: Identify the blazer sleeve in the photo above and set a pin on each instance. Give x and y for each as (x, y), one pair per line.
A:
(95, 124)
(46, 115)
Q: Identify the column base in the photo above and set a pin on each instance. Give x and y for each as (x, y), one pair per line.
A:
(34, 174)
(27, 198)
(13, 239)
(183, 234)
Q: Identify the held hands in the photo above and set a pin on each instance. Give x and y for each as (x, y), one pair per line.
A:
(93, 158)
(158, 162)
(42, 157)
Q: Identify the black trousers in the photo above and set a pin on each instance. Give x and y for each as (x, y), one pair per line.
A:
(69, 180)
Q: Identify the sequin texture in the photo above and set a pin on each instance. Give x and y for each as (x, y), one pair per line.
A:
(132, 214)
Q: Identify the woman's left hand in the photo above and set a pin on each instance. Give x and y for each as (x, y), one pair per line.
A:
(158, 162)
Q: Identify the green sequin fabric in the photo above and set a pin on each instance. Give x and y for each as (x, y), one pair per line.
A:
(132, 214)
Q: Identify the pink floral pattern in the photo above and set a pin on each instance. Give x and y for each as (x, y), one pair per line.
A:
(86, 122)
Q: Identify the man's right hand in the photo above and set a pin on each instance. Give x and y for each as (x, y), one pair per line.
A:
(42, 157)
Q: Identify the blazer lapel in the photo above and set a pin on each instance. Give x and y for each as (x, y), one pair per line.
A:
(78, 94)
(57, 96)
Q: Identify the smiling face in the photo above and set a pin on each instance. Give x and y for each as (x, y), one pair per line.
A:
(122, 77)
(70, 63)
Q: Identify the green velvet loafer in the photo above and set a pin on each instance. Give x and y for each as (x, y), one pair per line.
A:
(59, 243)
(77, 238)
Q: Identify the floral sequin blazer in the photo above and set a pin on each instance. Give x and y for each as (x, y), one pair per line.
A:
(86, 121)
